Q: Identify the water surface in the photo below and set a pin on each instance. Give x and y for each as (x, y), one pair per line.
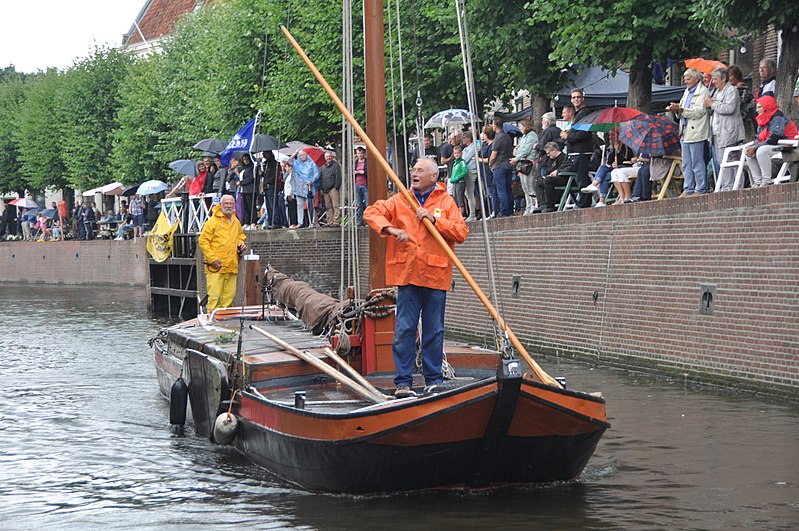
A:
(85, 442)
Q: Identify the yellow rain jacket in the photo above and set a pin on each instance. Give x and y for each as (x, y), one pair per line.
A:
(220, 239)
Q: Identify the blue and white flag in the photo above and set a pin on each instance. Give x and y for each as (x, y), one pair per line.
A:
(241, 141)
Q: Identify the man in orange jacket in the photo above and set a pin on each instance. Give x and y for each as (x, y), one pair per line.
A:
(420, 268)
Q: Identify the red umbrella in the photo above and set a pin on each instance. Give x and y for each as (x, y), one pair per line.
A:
(317, 154)
(606, 119)
(706, 66)
(652, 134)
(23, 202)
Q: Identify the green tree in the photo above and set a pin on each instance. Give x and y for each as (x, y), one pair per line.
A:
(91, 100)
(727, 17)
(611, 33)
(40, 132)
(12, 97)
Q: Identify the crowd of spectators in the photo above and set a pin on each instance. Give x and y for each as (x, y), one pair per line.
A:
(717, 111)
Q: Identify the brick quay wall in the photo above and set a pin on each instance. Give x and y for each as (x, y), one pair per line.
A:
(704, 287)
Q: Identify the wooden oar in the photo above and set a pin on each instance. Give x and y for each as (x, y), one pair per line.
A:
(373, 151)
(324, 367)
(358, 377)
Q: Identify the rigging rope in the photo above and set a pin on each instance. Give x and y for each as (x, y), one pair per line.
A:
(468, 74)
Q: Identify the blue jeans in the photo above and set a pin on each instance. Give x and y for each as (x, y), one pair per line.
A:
(694, 167)
(603, 178)
(502, 182)
(413, 301)
(361, 200)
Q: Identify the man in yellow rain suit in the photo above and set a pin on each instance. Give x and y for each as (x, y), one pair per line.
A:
(221, 241)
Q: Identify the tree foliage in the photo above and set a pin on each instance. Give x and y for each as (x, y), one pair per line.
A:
(736, 17)
(12, 97)
(611, 33)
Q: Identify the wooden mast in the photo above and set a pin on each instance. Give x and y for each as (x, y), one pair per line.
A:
(374, 62)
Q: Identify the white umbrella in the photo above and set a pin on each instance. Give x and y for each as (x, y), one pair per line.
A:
(114, 188)
(443, 119)
(151, 187)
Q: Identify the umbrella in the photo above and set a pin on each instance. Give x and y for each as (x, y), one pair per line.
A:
(512, 130)
(32, 211)
(443, 119)
(212, 145)
(316, 154)
(112, 189)
(652, 134)
(51, 213)
(151, 187)
(130, 190)
(706, 66)
(23, 202)
(606, 119)
(266, 143)
(184, 167)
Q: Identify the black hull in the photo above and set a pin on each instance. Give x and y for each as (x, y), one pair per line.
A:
(364, 467)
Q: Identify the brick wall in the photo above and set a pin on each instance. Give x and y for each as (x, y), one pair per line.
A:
(620, 285)
(100, 262)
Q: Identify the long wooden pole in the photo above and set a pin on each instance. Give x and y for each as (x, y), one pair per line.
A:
(542, 375)
(355, 375)
(324, 367)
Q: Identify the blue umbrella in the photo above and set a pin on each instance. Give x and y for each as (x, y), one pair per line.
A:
(512, 130)
(151, 187)
(51, 213)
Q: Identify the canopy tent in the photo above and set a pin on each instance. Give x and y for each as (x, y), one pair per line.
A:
(115, 188)
(605, 90)
(93, 191)
(602, 89)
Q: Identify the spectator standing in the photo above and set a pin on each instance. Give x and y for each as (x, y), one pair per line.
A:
(694, 132)
(526, 154)
(580, 146)
(306, 177)
(270, 172)
(137, 211)
(247, 187)
(362, 178)
(330, 184)
(727, 126)
(501, 154)
(470, 158)
(491, 198)
(458, 178)
(746, 100)
(197, 184)
(768, 78)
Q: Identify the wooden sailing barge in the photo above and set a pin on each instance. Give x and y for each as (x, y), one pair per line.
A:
(326, 423)
(494, 424)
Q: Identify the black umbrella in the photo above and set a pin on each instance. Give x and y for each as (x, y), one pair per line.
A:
(266, 143)
(184, 167)
(211, 145)
(131, 190)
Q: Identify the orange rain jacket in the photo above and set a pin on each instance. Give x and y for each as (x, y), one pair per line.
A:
(220, 239)
(420, 261)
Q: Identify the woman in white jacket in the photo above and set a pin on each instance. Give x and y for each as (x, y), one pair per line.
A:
(726, 121)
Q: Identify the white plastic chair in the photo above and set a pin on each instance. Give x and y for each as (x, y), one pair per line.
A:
(739, 166)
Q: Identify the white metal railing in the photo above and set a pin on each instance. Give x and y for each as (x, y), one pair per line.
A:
(199, 209)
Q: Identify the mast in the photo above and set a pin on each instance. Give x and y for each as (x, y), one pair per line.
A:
(375, 78)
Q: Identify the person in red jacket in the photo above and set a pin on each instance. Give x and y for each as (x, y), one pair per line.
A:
(420, 268)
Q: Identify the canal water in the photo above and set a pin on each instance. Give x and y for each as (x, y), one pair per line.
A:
(85, 442)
